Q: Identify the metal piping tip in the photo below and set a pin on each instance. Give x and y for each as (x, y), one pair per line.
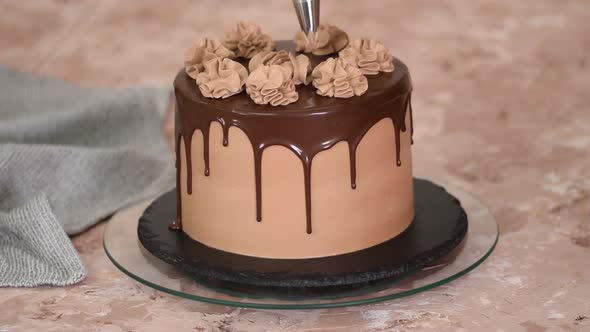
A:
(312, 39)
(308, 14)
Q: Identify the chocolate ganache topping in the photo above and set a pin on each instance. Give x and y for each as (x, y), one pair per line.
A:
(306, 127)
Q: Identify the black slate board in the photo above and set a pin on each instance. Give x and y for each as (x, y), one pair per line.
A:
(439, 225)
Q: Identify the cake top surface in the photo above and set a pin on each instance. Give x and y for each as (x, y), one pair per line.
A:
(382, 87)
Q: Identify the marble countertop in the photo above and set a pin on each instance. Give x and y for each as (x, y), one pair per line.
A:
(501, 107)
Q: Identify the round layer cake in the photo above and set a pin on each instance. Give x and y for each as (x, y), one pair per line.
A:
(319, 177)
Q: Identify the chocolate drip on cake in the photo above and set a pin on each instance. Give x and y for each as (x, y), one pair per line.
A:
(411, 119)
(177, 224)
(306, 127)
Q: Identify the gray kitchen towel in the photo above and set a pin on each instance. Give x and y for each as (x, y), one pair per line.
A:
(69, 157)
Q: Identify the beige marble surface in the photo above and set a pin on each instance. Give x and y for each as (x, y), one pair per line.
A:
(502, 109)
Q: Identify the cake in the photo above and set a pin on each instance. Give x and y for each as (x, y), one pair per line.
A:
(292, 149)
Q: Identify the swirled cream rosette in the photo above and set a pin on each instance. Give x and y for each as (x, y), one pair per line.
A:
(369, 55)
(336, 78)
(222, 78)
(270, 84)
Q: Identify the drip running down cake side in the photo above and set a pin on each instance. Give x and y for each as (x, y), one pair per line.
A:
(293, 155)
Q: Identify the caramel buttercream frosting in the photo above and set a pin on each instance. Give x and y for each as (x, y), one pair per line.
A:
(297, 67)
(221, 78)
(336, 78)
(271, 84)
(246, 39)
(203, 50)
(369, 55)
(211, 63)
(328, 39)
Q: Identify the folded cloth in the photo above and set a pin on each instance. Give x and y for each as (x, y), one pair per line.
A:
(71, 156)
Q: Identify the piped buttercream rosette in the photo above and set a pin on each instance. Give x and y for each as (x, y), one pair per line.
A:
(297, 67)
(222, 78)
(271, 84)
(246, 39)
(328, 39)
(203, 50)
(336, 78)
(369, 55)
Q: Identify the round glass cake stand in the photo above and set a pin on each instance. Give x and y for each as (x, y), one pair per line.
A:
(126, 252)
